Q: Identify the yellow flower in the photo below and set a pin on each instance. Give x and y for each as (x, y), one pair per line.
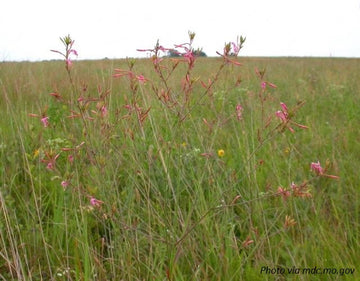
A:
(221, 152)
(36, 153)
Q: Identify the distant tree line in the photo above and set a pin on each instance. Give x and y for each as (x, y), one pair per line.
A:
(174, 53)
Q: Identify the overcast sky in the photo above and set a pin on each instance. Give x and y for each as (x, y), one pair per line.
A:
(115, 29)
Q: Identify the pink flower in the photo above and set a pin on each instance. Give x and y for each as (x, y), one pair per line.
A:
(239, 110)
(282, 115)
(45, 121)
(284, 108)
(43, 118)
(68, 63)
(319, 171)
(236, 48)
(226, 58)
(65, 184)
(104, 111)
(55, 95)
(301, 190)
(141, 79)
(121, 73)
(283, 192)
(183, 45)
(266, 83)
(263, 85)
(163, 49)
(316, 167)
(74, 52)
(130, 74)
(286, 119)
(95, 202)
(50, 161)
(189, 56)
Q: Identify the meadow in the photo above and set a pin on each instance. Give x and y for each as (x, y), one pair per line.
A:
(180, 169)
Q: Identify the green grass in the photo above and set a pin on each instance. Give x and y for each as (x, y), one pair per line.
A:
(172, 208)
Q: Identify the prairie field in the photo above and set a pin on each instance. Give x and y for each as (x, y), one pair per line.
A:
(140, 170)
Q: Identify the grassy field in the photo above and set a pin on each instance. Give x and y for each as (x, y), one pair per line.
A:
(177, 178)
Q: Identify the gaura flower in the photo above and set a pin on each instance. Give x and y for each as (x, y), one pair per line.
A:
(319, 171)
(95, 202)
(65, 184)
(316, 167)
(43, 118)
(283, 192)
(73, 52)
(301, 190)
(267, 83)
(285, 117)
(236, 48)
(45, 121)
(103, 111)
(189, 57)
(141, 79)
(50, 161)
(71, 158)
(239, 110)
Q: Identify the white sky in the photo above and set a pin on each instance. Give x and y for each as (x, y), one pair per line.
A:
(115, 29)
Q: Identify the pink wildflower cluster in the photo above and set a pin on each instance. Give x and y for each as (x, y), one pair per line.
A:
(316, 167)
(188, 54)
(237, 46)
(156, 53)
(303, 189)
(296, 190)
(285, 117)
(232, 49)
(320, 171)
(50, 159)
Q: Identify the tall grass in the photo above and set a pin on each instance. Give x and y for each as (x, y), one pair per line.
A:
(170, 205)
